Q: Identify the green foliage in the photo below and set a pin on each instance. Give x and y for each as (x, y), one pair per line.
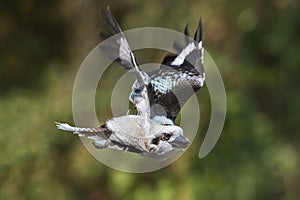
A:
(256, 47)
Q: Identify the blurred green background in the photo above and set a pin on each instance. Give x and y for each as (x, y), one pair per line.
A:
(256, 47)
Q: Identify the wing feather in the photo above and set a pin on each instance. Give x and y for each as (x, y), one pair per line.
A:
(179, 76)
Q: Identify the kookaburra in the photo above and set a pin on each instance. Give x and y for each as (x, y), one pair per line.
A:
(151, 132)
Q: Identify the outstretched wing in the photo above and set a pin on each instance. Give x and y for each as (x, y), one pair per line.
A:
(119, 48)
(179, 77)
(126, 58)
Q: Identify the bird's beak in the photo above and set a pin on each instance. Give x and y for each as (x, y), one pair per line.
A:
(180, 142)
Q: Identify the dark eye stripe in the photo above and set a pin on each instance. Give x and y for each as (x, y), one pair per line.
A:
(166, 136)
(155, 141)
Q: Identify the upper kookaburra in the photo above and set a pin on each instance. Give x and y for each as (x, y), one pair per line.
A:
(158, 96)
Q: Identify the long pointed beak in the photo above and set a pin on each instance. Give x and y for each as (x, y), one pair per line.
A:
(180, 142)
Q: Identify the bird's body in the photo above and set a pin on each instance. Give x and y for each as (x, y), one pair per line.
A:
(128, 133)
(170, 89)
(158, 96)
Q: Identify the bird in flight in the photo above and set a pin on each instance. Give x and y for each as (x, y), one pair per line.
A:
(158, 96)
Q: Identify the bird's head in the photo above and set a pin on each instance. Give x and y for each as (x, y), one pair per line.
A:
(167, 138)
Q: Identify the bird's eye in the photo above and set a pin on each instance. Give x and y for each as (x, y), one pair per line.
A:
(155, 141)
(166, 136)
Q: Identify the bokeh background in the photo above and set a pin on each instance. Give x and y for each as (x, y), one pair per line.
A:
(256, 46)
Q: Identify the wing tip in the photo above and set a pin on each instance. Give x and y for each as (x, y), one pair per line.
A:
(199, 32)
(111, 20)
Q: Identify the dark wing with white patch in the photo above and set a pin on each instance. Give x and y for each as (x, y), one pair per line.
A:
(178, 78)
(190, 58)
(118, 48)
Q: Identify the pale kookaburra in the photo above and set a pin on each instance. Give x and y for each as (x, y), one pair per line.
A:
(151, 133)
(128, 133)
